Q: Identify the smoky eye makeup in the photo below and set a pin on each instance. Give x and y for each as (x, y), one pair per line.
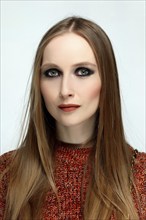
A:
(80, 71)
(84, 71)
(51, 72)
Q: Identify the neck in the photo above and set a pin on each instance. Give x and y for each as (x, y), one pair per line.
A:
(76, 134)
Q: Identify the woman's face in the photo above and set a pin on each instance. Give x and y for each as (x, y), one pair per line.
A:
(70, 82)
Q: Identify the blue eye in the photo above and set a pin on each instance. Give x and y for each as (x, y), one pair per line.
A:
(82, 71)
(52, 73)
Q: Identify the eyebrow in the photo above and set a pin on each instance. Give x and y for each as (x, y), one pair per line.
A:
(46, 65)
(84, 64)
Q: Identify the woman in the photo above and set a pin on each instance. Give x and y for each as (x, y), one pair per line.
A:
(73, 161)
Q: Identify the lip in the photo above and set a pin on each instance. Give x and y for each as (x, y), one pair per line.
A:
(68, 107)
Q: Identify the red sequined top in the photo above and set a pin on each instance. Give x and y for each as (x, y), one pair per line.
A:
(69, 178)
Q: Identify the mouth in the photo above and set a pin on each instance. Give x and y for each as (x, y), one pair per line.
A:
(68, 107)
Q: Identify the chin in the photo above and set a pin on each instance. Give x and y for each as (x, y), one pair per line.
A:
(69, 123)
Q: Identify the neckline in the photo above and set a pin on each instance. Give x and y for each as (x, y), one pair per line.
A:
(73, 146)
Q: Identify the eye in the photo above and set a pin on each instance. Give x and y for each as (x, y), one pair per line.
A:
(83, 71)
(52, 73)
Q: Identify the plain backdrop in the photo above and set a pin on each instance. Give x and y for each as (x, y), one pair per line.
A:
(23, 23)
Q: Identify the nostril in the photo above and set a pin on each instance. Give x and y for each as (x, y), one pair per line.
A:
(65, 95)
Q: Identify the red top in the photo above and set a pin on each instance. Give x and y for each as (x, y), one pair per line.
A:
(69, 174)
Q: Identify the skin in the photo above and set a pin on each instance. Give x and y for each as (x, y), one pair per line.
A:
(62, 59)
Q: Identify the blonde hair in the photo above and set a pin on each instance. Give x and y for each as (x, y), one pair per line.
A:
(32, 169)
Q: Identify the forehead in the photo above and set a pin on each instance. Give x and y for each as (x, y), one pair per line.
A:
(68, 46)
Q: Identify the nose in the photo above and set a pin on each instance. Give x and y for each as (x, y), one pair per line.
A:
(66, 87)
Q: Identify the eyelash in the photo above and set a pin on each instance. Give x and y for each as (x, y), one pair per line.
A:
(47, 73)
(85, 72)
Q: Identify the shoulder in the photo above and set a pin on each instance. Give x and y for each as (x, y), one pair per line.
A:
(6, 159)
(139, 172)
(139, 168)
(5, 162)
(140, 162)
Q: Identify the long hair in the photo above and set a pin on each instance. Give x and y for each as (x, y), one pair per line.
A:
(32, 170)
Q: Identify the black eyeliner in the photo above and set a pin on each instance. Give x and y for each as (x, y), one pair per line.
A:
(90, 71)
(46, 72)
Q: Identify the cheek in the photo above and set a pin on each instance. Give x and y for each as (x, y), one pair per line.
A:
(46, 92)
(43, 90)
(94, 91)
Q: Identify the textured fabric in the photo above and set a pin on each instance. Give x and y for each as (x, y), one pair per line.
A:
(69, 172)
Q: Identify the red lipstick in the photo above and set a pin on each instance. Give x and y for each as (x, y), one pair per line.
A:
(68, 107)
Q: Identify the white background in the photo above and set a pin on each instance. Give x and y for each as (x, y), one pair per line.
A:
(24, 23)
